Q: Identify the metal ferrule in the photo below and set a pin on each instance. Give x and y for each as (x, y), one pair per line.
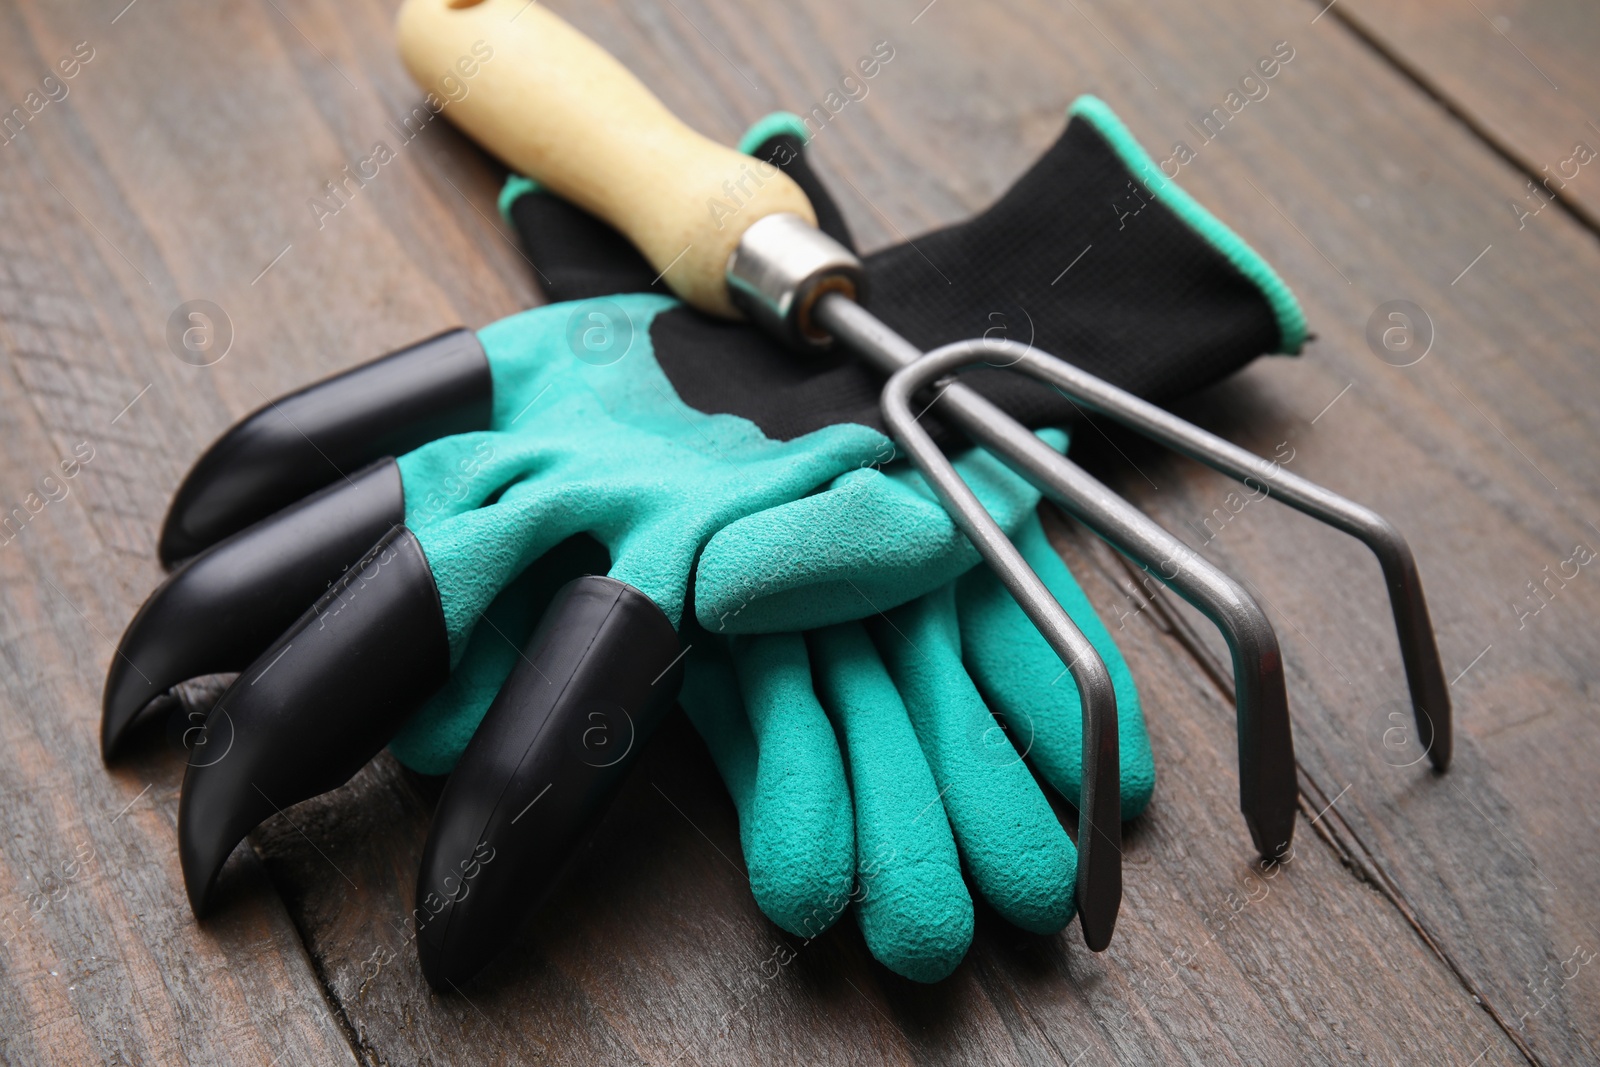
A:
(779, 269)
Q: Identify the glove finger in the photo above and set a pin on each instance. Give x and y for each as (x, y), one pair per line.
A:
(911, 903)
(433, 740)
(315, 436)
(1021, 860)
(601, 670)
(797, 829)
(871, 541)
(224, 607)
(711, 699)
(1023, 680)
(314, 707)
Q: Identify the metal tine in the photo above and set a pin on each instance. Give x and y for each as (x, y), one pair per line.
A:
(1268, 791)
(1430, 693)
(1099, 888)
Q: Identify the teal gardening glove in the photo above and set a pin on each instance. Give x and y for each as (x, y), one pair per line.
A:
(907, 702)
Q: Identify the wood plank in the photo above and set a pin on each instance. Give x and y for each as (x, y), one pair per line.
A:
(1522, 75)
(101, 960)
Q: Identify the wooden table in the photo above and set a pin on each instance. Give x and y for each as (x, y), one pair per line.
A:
(1435, 919)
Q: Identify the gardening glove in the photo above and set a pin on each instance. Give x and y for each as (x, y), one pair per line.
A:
(927, 777)
(612, 452)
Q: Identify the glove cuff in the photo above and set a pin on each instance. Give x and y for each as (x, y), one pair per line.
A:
(1212, 230)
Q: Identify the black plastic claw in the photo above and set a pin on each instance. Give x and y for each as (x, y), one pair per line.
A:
(221, 610)
(299, 443)
(316, 706)
(597, 676)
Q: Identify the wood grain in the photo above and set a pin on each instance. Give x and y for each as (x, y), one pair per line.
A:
(117, 205)
(1522, 75)
(1422, 919)
(1489, 425)
(100, 963)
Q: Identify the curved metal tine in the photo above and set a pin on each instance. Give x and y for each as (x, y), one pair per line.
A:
(1430, 693)
(1268, 791)
(1099, 888)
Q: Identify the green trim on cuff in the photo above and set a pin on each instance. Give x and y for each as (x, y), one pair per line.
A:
(771, 126)
(1291, 319)
(515, 186)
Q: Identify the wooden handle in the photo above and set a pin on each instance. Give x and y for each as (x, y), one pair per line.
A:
(557, 107)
